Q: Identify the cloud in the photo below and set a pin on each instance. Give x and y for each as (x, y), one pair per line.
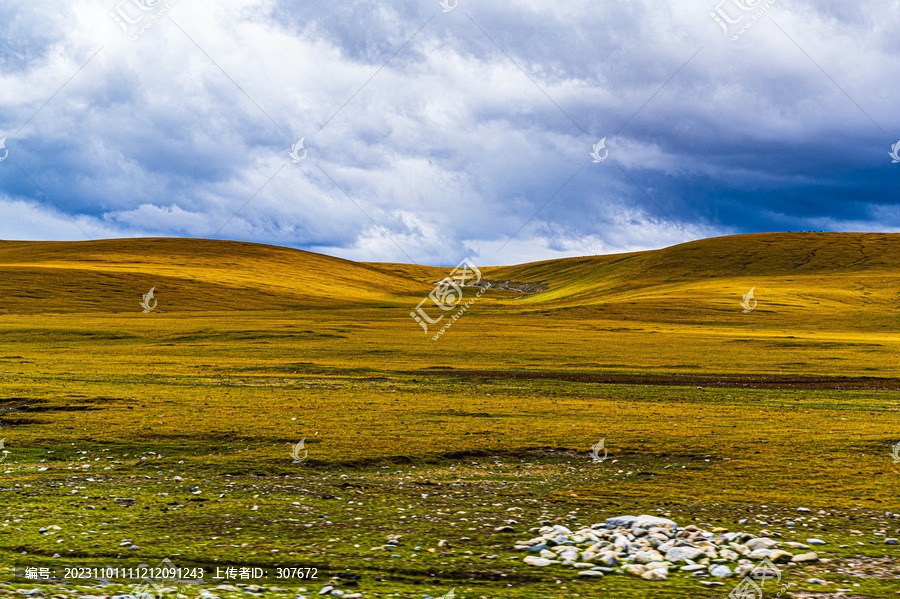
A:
(432, 135)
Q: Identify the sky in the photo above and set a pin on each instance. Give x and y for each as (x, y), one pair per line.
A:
(435, 130)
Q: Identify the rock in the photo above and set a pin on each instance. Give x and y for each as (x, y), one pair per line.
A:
(692, 568)
(779, 556)
(729, 555)
(547, 554)
(504, 529)
(643, 557)
(794, 545)
(540, 562)
(815, 541)
(636, 569)
(890, 541)
(761, 543)
(805, 557)
(720, 571)
(591, 573)
(803, 510)
(443, 543)
(760, 553)
(582, 565)
(133, 548)
(178, 479)
(326, 590)
(654, 575)
(680, 554)
(816, 581)
(227, 587)
(644, 521)
(609, 560)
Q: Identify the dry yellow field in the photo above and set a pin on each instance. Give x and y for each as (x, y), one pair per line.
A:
(710, 412)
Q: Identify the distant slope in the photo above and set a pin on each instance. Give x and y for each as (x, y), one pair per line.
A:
(761, 255)
(188, 274)
(848, 273)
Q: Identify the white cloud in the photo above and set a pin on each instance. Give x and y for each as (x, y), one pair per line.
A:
(450, 148)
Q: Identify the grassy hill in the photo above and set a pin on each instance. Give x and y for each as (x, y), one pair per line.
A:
(188, 274)
(193, 274)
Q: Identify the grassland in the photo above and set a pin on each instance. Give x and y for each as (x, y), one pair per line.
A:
(252, 348)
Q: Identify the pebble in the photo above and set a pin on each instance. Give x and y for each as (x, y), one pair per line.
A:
(890, 541)
(815, 541)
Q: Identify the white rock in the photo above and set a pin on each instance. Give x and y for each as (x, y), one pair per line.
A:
(720, 571)
(654, 575)
(679, 554)
(761, 543)
(532, 560)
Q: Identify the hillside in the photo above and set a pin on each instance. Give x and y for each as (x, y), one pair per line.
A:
(188, 275)
(810, 277)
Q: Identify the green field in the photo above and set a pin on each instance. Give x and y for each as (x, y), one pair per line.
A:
(711, 416)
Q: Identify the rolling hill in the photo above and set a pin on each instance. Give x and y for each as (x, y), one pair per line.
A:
(820, 279)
